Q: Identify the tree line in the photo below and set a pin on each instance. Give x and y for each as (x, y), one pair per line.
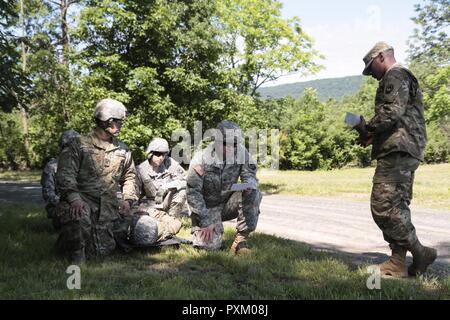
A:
(172, 62)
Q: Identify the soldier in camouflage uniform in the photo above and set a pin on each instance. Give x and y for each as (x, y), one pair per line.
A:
(48, 179)
(398, 134)
(208, 190)
(161, 180)
(143, 230)
(92, 170)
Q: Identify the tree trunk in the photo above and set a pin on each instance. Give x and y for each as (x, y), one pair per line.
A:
(64, 6)
(24, 116)
(23, 110)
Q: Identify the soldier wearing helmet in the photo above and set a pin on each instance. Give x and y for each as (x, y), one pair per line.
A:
(92, 170)
(48, 179)
(143, 230)
(161, 180)
(211, 174)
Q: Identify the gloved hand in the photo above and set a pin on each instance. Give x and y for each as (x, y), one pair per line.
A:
(365, 138)
(365, 141)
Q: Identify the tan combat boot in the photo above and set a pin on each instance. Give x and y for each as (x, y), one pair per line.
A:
(240, 244)
(422, 258)
(395, 266)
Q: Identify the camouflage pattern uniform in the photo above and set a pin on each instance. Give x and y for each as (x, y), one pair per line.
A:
(48, 179)
(164, 188)
(49, 192)
(210, 198)
(165, 225)
(399, 138)
(94, 171)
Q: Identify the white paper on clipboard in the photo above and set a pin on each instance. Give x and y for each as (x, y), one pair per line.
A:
(352, 119)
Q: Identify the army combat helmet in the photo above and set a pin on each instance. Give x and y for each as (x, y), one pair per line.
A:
(66, 136)
(107, 109)
(157, 145)
(145, 231)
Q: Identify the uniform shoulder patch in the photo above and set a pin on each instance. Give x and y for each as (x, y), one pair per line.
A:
(199, 169)
(389, 88)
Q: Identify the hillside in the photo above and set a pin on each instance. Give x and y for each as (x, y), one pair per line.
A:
(326, 88)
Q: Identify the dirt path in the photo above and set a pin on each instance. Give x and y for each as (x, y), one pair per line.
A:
(337, 224)
(20, 191)
(333, 224)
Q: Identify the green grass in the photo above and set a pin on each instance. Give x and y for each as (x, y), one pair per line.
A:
(276, 269)
(431, 186)
(34, 175)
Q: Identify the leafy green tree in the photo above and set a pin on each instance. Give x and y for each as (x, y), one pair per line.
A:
(430, 40)
(438, 144)
(260, 45)
(12, 81)
(302, 135)
(429, 54)
(437, 99)
(159, 57)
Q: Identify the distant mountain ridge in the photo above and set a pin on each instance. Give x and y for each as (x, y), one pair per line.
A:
(326, 88)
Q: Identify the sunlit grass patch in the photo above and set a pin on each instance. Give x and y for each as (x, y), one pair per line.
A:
(431, 185)
(32, 175)
(275, 269)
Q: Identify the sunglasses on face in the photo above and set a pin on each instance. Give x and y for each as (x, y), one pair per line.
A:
(118, 122)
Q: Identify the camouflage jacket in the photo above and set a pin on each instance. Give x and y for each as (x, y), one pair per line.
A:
(48, 183)
(398, 124)
(150, 181)
(209, 181)
(96, 171)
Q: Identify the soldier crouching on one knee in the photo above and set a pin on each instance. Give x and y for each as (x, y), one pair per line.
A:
(161, 180)
(48, 179)
(211, 174)
(91, 171)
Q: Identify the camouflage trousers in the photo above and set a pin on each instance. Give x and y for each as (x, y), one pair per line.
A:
(175, 202)
(241, 206)
(168, 225)
(51, 214)
(391, 197)
(95, 237)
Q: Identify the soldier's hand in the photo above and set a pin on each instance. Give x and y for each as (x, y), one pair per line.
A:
(206, 233)
(361, 127)
(365, 141)
(77, 208)
(125, 208)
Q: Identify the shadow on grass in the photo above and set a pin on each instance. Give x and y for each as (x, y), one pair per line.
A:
(271, 188)
(275, 269)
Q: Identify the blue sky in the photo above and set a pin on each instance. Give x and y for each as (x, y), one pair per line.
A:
(345, 30)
